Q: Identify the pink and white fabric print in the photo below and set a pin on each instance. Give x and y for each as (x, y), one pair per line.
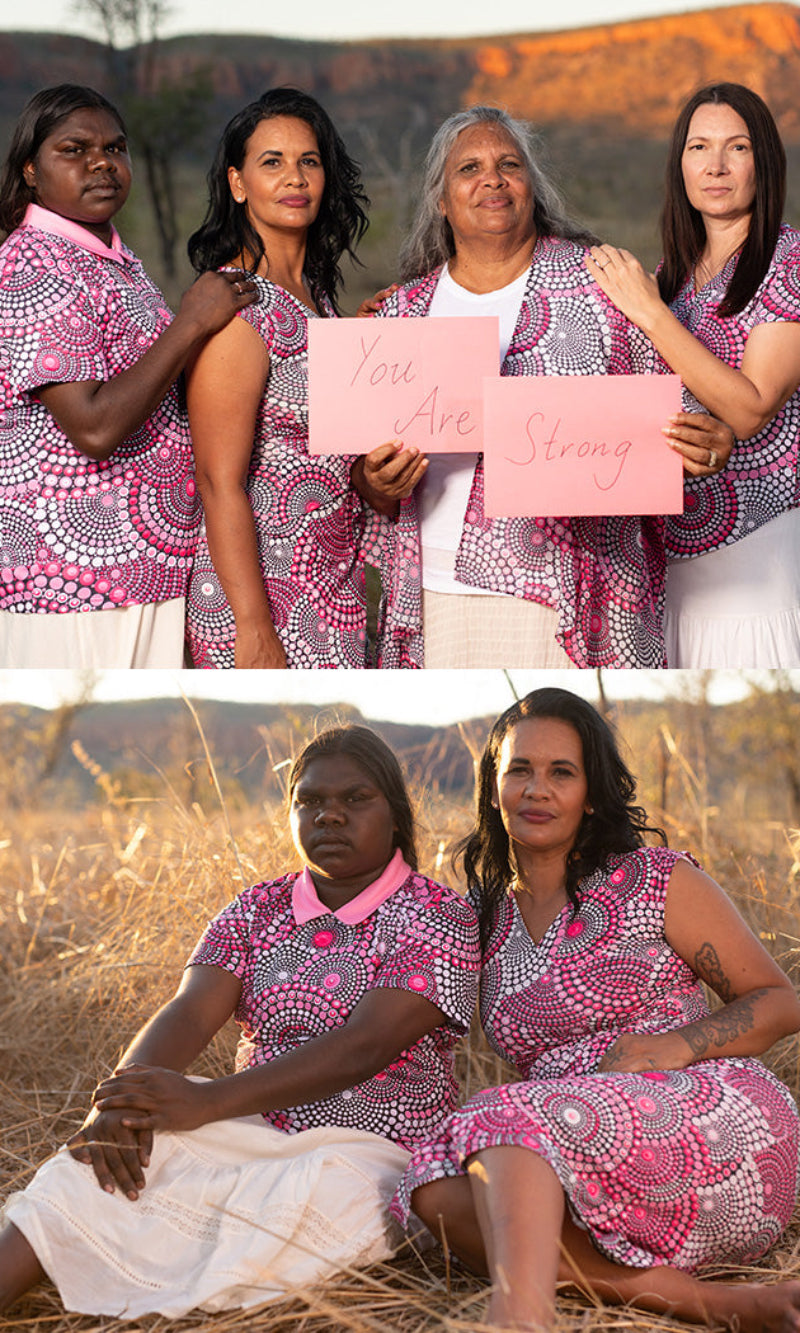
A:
(604, 576)
(691, 1167)
(761, 479)
(302, 979)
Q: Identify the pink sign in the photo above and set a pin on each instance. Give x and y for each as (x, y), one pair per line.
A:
(418, 380)
(581, 445)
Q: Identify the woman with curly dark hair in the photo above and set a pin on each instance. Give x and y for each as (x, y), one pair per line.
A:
(279, 574)
(643, 1142)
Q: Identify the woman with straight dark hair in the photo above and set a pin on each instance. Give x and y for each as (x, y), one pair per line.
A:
(724, 313)
(98, 516)
(352, 980)
(279, 575)
(644, 1142)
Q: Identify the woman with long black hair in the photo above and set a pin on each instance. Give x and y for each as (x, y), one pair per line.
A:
(279, 575)
(724, 313)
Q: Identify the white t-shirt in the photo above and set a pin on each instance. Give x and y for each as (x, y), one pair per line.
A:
(444, 491)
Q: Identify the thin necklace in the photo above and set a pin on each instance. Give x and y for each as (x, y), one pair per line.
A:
(703, 268)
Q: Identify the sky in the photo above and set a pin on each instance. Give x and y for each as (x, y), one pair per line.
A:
(360, 18)
(431, 697)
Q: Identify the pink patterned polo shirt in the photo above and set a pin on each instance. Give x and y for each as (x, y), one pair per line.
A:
(303, 970)
(77, 534)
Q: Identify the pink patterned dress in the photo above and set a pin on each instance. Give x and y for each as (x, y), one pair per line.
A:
(604, 576)
(78, 534)
(312, 526)
(691, 1167)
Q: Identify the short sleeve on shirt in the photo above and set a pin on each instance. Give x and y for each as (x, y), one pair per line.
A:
(226, 941)
(779, 298)
(435, 951)
(53, 321)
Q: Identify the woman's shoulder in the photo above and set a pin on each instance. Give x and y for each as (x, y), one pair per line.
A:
(278, 317)
(263, 896)
(420, 893)
(788, 241)
(28, 246)
(645, 870)
(411, 297)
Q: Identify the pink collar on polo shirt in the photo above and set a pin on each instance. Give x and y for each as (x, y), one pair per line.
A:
(56, 225)
(306, 905)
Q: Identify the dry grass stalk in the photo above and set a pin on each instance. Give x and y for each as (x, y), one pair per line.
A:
(94, 922)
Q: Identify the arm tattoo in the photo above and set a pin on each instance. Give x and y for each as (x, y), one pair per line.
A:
(722, 1027)
(709, 969)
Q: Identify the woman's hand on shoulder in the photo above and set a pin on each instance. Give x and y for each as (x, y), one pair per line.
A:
(624, 281)
(213, 300)
(704, 443)
(388, 475)
(372, 304)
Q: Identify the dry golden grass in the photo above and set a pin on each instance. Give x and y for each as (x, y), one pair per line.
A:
(96, 916)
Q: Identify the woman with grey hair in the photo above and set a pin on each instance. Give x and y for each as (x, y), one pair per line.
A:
(491, 237)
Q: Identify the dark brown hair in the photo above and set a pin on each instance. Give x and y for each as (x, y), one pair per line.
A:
(683, 232)
(380, 763)
(615, 824)
(38, 120)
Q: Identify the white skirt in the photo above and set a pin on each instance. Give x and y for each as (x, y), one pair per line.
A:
(738, 606)
(232, 1214)
(126, 636)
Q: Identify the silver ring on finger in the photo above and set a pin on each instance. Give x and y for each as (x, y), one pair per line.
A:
(712, 459)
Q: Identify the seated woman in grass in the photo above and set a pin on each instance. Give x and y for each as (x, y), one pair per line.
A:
(645, 1143)
(352, 980)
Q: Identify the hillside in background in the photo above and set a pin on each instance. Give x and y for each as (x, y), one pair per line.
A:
(740, 760)
(603, 97)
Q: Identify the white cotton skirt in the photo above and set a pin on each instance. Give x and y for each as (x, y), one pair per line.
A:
(232, 1214)
(738, 606)
(123, 637)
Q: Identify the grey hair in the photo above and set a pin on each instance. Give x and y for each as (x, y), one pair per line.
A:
(430, 241)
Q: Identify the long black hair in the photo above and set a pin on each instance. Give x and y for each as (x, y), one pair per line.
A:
(380, 763)
(38, 120)
(616, 824)
(683, 233)
(226, 231)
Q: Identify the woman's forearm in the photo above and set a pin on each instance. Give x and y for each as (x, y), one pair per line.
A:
(725, 392)
(748, 1025)
(97, 416)
(172, 1038)
(318, 1069)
